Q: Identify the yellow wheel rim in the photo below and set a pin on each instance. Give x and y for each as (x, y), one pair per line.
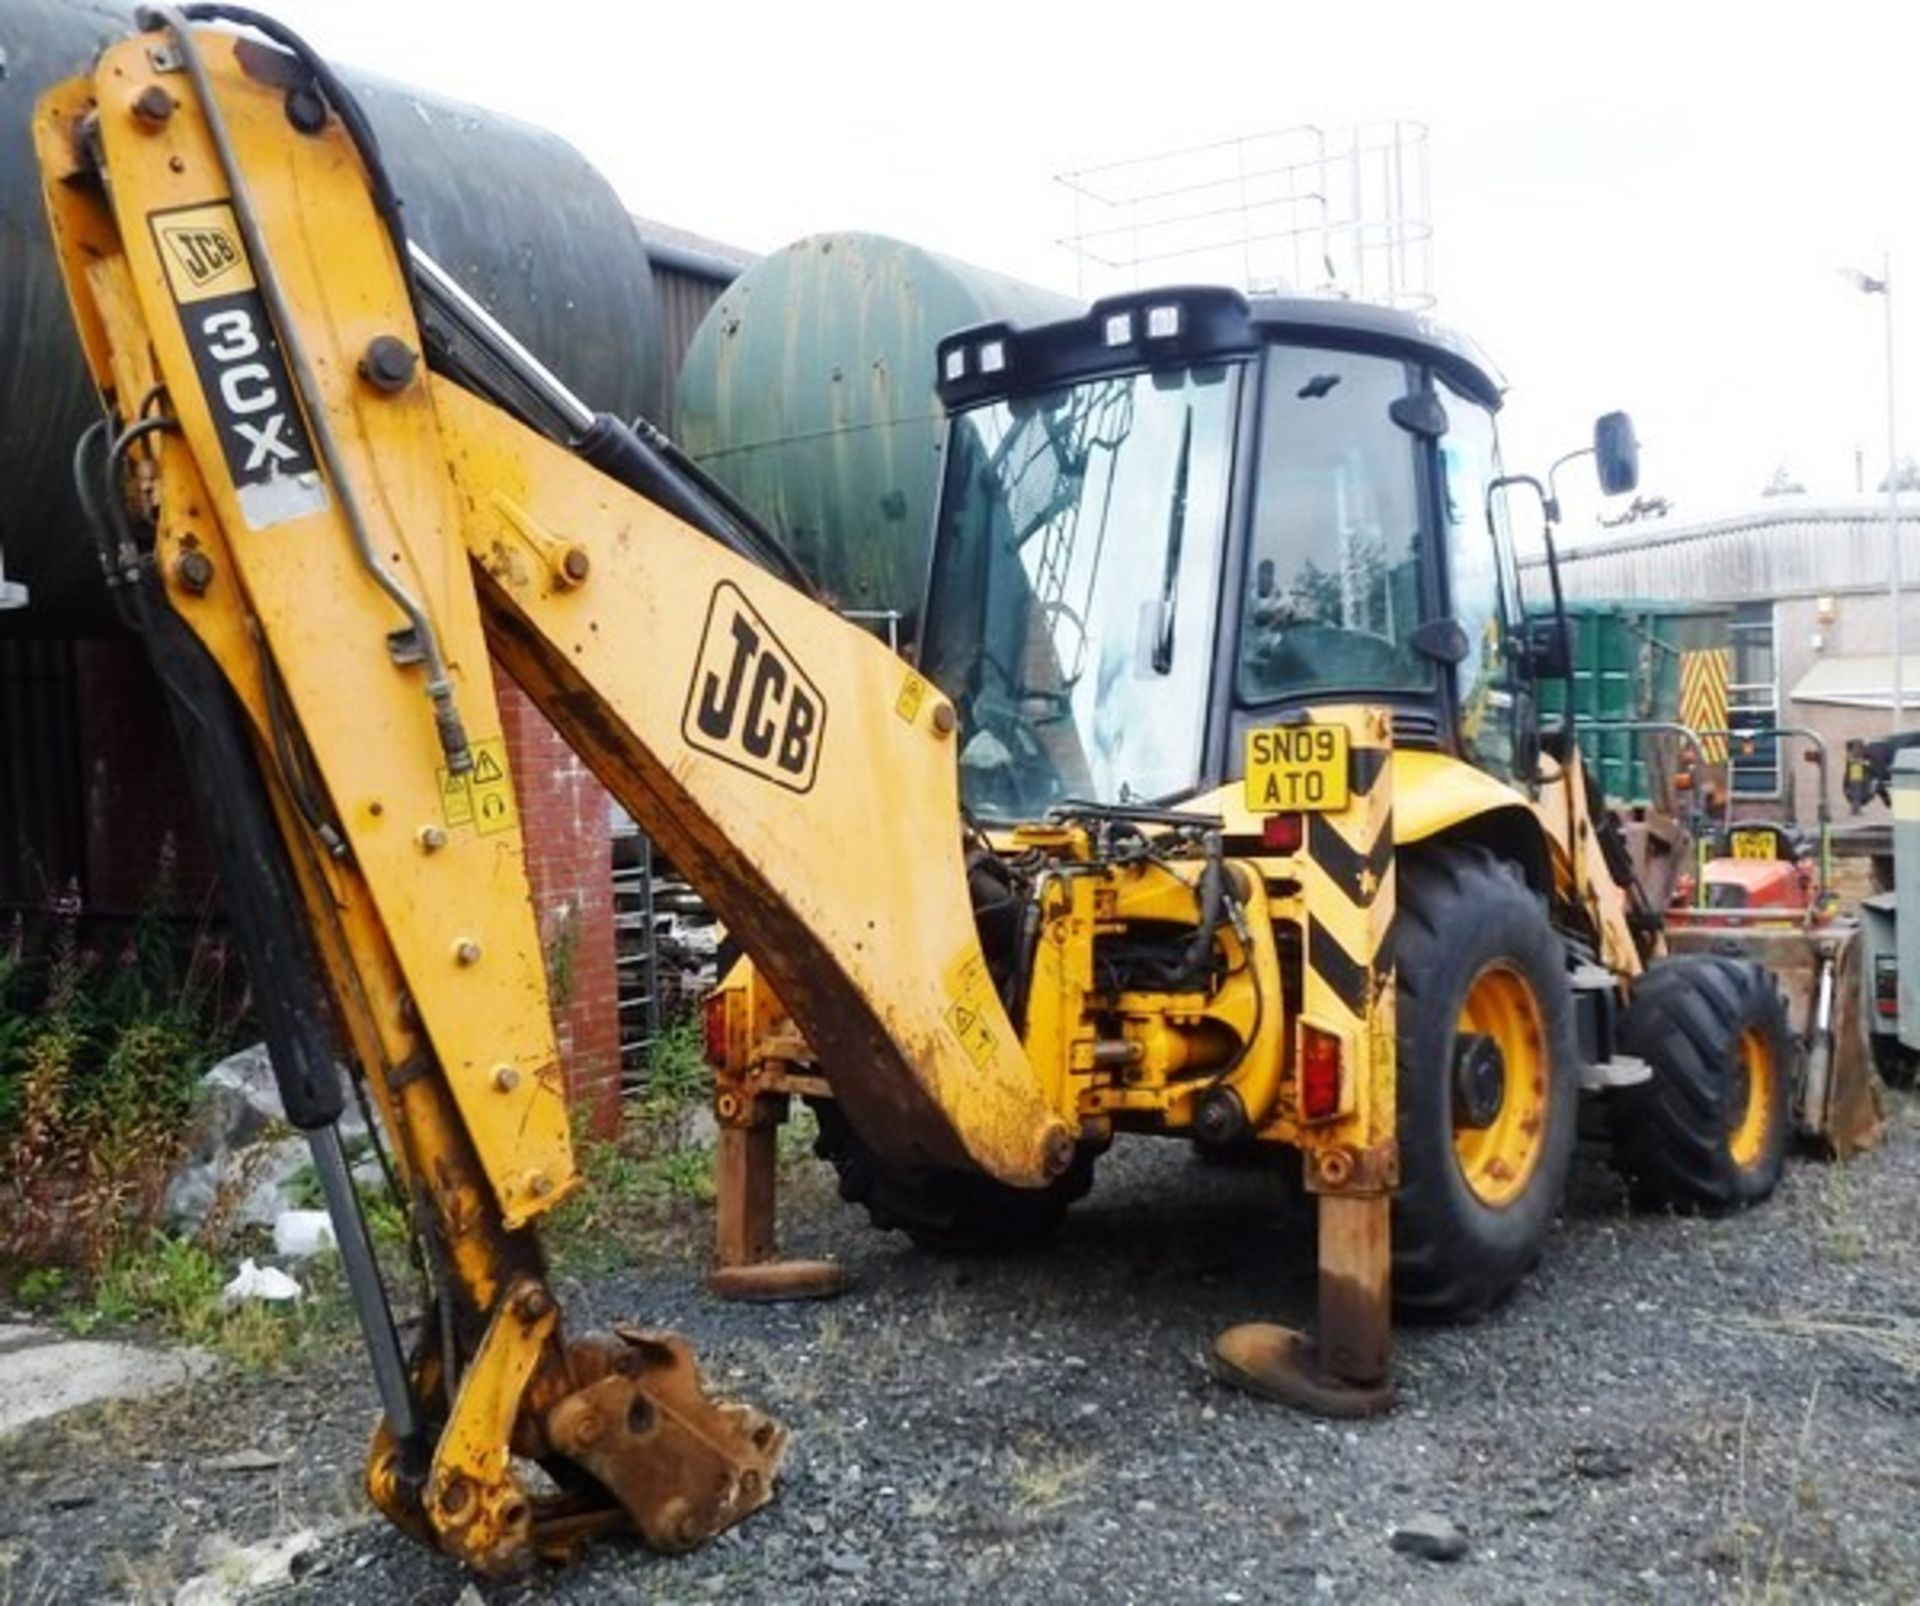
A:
(1498, 1160)
(1747, 1140)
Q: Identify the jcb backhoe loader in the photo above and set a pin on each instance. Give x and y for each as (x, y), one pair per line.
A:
(1216, 804)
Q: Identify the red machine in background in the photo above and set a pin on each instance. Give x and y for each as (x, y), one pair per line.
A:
(1764, 889)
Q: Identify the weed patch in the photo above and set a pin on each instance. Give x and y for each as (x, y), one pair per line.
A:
(647, 1180)
(173, 1288)
(101, 1050)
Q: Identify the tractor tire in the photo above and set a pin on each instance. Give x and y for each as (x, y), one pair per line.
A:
(1709, 1131)
(946, 1212)
(1487, 1078)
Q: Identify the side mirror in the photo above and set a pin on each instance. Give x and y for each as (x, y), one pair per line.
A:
(1616, 453)
(1419, 414)
(1549, 654)
(1442, 640)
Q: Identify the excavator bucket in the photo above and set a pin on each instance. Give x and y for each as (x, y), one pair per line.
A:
(1843, 1105)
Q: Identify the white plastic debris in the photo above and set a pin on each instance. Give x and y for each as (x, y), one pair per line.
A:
(260, 1282)
(243, 1572)
(299, 1234)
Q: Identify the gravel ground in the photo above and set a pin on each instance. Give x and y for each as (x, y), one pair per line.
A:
(1671, 1410)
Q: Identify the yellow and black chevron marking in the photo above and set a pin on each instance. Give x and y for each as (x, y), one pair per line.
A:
(1347, 888)
(1703, 697)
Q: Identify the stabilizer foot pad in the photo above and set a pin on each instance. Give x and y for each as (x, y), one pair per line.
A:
(773, 1280)
(1278, 1363)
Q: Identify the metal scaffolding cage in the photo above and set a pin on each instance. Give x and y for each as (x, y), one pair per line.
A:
(1306, 210)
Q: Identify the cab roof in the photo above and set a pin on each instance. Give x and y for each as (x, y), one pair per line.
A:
(1195, 323)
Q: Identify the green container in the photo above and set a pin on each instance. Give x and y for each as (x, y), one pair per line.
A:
(809, 393)
(1626, 658)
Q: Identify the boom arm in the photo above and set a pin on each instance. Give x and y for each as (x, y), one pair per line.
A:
(331, 545)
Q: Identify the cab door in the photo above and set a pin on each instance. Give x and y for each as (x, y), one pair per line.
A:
(1496, 714)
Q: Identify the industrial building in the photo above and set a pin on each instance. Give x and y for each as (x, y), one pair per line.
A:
(1805, 583)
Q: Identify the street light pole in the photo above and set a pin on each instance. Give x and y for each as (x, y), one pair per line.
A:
(1894, 564)
(1882, 287)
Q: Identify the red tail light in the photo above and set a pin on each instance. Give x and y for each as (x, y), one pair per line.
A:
(1886, 986)
(713, 1023)
(1319, 1074)
(1282, 833)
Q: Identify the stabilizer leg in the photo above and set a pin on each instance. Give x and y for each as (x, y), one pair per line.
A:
(746, 1188)
(1347, 1370)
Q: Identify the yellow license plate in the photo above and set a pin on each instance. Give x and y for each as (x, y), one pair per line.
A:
(1297, 768)
(1753, 844)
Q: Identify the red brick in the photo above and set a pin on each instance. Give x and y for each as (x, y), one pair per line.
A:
(564, 816)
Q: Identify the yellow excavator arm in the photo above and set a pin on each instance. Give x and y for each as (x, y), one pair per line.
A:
(326, 540)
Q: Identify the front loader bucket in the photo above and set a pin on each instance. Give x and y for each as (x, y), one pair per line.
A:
(1838, 1100)
(1843, 1112)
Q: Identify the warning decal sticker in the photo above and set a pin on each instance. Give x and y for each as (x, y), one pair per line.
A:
(483, 797)
(971, 1005)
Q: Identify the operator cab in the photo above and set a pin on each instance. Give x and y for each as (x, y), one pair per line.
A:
(1185, 514)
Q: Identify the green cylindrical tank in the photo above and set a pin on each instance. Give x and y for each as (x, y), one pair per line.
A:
(809, 393)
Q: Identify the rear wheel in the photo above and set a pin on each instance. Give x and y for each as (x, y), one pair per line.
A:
(948, 1212)
(1709, 1131)
(1486, 1081)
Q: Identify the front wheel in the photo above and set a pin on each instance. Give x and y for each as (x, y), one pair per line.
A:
(1487, 1082)
(1709, 1130)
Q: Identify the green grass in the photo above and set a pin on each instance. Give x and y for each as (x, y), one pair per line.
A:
(172, 1282)
(627, 1199)
(173, 1287)
(43, 1287)
(170, 1286)
(641, 1186)
(677, 1075)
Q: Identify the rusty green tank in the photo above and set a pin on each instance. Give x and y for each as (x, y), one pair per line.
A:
(809, 393)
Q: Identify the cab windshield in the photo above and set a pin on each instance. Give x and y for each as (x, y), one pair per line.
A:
(1336, 583)
(1072, 611)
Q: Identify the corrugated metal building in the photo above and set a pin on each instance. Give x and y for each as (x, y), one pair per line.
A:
(1807, 580)
(689, 273)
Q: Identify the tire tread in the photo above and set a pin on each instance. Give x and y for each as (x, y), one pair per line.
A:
(1670, 1134)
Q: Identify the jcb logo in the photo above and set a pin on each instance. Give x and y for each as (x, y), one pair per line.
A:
(750, 703)
(201, 252)
(205, 254)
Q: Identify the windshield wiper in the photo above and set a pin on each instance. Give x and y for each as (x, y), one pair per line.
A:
(1176, 533)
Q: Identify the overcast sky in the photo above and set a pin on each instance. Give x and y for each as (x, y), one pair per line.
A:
(1635, 205)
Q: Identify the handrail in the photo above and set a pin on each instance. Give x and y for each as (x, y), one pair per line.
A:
(1697, 737)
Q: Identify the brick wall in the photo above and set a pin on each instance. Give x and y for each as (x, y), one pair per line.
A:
(564, 815)
(136, 801)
